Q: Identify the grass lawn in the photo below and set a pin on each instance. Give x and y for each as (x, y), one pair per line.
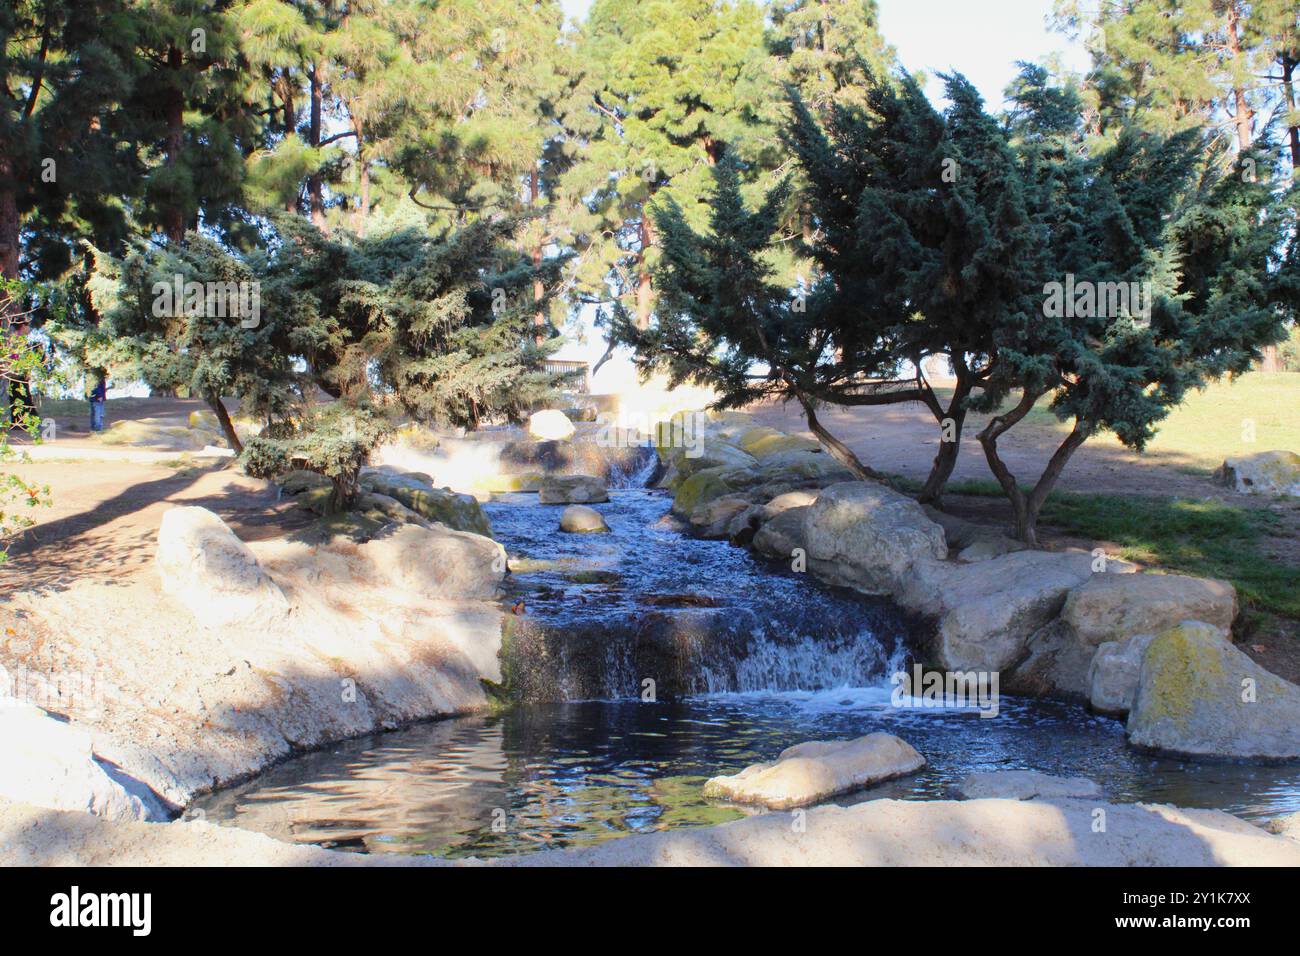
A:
(1204, 538)
(1188, 535)
(1211, 425)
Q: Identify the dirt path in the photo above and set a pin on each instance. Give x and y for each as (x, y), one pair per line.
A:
(903, 439)
(104, 516)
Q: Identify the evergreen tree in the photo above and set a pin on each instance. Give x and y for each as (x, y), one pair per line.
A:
(923, 248)
(677, 84)
(829, 50)
(1148, 210)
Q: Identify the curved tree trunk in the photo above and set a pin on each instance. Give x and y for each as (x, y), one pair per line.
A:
(836, 448)
(1026, 507)
(945, 459)
(227, 426)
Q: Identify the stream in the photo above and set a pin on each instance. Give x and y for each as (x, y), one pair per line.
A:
(646, 661)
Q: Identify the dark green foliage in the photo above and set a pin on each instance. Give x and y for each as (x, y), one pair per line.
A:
(334, 440)
(440, 327)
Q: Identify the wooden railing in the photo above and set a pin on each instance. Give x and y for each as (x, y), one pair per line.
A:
(578, 383)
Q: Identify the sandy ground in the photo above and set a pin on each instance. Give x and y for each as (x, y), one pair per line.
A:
(903, 439)
(1058, 832)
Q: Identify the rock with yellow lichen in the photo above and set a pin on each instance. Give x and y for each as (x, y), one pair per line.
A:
(1199, 696)
(1267, 473)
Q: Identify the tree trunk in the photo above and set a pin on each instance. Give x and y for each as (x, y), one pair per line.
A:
(315, 185)
(539, 291)
(945, 459)
(836, 448)
(365, 189)
(988, 439)
(1027, 507)
(1243, 113)
(173, 217)
(1288, 88)
(10, 222)
(644, 286)
(227, 426)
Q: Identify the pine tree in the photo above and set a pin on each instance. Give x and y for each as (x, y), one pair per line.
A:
(677, 84)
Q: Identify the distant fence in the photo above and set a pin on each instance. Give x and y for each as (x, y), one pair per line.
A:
(580, 383)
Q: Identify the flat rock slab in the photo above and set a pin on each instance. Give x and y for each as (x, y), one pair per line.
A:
(874, 833)
(571, 489)
(817, 770)
(1024, 785)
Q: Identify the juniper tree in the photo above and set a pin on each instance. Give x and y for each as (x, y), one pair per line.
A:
(184, 319)
(334, 440)
(1156, 212)
(440, 326)
(923, 247)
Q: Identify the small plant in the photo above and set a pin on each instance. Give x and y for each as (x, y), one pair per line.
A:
(22, 366)
(333, 440)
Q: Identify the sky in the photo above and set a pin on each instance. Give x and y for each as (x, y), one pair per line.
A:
(981, 38)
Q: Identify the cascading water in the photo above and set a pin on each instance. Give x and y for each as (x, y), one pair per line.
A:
(637, 471)
(746, 658)
(604, 614)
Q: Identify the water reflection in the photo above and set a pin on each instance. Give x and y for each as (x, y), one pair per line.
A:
(576, 774)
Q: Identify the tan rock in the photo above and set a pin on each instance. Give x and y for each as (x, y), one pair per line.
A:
(550, 425)
(1024, 785)
(1112, 607)
(212, 573)
(1200, 696)
(863, 534)
(815, 771)
(571, 489)
(1267, 473)
(579, 519)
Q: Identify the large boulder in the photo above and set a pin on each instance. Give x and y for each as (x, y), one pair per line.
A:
(780, 536)
(550, 425)
(571, 489)
(763, 442)
(1112, 607)
(745, 524)
(1024, 785)
(212, 573)
(1267, 473)
(460, 512)
(817, 770)
(713, 519)
(988, 610)
(1199, 696)
(1113, 674)
(868, 536)
(682, 462)
(437, 562)
(1055, 665)
(51, 763)
(579, 519)
(774, 475)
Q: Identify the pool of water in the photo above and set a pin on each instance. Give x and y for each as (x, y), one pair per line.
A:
(574, 774)
(813, 663)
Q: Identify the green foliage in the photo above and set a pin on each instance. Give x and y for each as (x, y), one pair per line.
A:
(20, 361)
(334, 440)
